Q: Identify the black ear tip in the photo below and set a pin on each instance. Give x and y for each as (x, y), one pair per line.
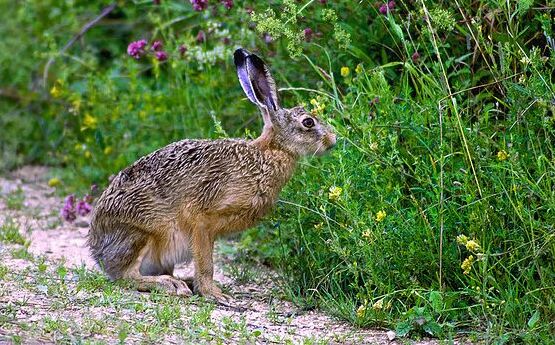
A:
(256, 61)
(239, 57)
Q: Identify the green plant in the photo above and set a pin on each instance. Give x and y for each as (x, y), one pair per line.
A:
(433, 214)
(9, 232)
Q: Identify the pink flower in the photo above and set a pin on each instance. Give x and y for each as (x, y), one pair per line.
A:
(308, 34)
(199, 5)
(228, 4)
(415, 57)
(136, 49)
(88, 198)
(157, 45)
(201, 37)
(68, 211)
(182, 49)
(267, 38)
(161, 55)
(83, 208)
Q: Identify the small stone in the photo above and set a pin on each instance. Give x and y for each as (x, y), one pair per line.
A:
(82, 224)
(391, 335)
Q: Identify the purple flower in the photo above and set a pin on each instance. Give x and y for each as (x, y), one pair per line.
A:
(182, 49)
(83, 208)
(415, 57)
(267, 38)
(228, 4)
(161, 55)
(226, 41)
(384, 9)
(88, 198)
(136, 49)
(199, 5)
(157, 45)
(201, 37)
(308, 34)
(68, 211)
(391, 5)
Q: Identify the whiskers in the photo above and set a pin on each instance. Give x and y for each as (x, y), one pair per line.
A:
(317, 149)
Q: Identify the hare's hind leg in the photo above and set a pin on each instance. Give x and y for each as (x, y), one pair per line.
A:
(125, 251)
(158, 278)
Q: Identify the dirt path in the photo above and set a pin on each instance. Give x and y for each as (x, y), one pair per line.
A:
(52, 292)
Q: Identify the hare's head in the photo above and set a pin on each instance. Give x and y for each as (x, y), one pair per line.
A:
(294, 129)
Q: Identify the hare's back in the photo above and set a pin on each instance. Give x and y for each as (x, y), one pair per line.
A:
(200, 171)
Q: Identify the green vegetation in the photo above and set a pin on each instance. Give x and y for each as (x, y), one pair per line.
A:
(9, 232)
(15, 199)
(433, 215)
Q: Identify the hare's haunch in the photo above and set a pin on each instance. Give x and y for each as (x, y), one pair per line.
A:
(170, 205)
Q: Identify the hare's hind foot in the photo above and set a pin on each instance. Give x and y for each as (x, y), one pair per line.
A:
(211, 291)
(165, 283)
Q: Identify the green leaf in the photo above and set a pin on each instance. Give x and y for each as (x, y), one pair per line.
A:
(437, 301)
(534, 319)
(403, 329)
(432, 328)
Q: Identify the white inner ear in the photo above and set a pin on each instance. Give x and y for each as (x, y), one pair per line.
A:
(266, 116)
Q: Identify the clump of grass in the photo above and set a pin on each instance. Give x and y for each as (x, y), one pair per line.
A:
(15, 199)
(9, 232)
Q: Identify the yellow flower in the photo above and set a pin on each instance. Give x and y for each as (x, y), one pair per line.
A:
(335, 193)
(53, 182)
(107, 150)
(473, 246)
(361, 311)
(56, 91)
(378, 305)
(462, 239)
(467, 264)
(345, 71)
(89, 121)
(367, 234)
(380, 216)
(318, 107)
(359, 68)
(88, 154)
(502, 155)
(319, 226)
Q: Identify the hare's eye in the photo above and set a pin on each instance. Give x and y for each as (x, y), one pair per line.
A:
(308, 122)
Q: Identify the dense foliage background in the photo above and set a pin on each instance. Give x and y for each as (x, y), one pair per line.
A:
(434, 215)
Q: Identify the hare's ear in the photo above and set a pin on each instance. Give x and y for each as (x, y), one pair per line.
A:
(263, 82)
(240, 60)
(256, 80)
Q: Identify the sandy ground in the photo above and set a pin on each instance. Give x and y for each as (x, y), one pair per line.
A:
(255, 302)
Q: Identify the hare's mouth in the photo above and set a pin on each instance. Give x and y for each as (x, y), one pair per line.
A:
(329, 141)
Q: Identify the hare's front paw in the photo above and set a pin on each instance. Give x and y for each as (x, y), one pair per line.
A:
(212, 292)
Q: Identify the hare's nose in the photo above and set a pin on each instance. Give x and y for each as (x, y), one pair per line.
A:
(330, 140)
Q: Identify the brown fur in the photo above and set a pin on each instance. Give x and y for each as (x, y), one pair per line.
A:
(170, 205)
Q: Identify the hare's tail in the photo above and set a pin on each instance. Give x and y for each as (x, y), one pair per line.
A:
(116, 247)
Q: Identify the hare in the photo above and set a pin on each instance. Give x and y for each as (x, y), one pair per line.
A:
(169, 206)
